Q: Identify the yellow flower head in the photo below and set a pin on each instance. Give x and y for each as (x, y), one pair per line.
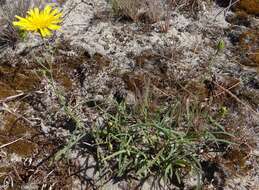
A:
(41, 21)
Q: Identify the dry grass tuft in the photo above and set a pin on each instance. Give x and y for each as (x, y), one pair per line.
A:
(8, 9)
(152, 11)
(191, 7)
(149, 11)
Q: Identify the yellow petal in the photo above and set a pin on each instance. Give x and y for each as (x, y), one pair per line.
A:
(20, 18)
(45, 32)
(42, 32)
(54, 12)
(41, 21)
(47, 10)
(16, 23)
(56, 21)
(23, 24)
(30, 12)
(54, 27)
(36, 12)
(58, 15)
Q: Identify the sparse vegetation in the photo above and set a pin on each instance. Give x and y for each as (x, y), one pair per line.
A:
(139, 10)
(146, 143)
(108, 104)
(9, 35)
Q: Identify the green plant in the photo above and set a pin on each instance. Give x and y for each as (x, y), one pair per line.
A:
(143, 143)
(47, 71)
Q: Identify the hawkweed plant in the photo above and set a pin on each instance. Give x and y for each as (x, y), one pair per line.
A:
(40, 21)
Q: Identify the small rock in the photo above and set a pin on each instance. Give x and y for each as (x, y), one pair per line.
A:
(255, 152)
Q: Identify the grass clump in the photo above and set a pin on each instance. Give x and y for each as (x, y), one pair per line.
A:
(164, 144)
(149, 11)
(9, 35)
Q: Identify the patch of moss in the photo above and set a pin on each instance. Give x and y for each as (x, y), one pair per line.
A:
(198, 89)
(248, 42)
(134, 82)
(21, 147)
(236, 160)
(17, 78)
(5, 90)
(255, 57)
(13, 129)
(250, 6)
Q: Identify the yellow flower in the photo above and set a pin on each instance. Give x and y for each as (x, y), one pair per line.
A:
(41, 21)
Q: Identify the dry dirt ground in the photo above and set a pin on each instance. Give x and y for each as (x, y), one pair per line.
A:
(99, 57)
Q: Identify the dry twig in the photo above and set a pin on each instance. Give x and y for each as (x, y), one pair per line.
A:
(12, 142)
